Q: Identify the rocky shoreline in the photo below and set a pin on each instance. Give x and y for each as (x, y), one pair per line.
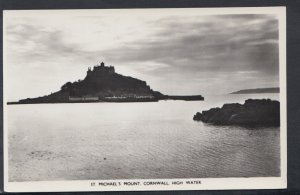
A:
(254, 112)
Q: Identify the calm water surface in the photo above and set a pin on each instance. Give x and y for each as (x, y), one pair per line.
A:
(135, 141)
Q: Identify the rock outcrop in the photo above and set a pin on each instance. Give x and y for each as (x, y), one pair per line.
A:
(254, 112)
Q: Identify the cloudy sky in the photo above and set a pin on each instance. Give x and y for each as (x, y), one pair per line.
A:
(177, 51)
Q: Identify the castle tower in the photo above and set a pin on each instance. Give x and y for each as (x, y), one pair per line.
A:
(89, 69)
(102, 64)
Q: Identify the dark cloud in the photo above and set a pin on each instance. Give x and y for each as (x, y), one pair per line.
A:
(225, 43)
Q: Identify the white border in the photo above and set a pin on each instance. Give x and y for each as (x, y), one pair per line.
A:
(206, 183)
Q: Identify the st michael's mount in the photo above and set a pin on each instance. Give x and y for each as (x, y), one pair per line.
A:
(103, 84)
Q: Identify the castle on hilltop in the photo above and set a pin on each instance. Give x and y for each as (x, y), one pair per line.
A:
(100, 69)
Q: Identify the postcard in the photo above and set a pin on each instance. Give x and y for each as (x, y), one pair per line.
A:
(144, 99)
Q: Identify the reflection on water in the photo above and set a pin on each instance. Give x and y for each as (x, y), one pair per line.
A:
(135, 141)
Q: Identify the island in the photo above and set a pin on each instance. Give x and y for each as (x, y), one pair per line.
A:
(258, 90)
(254, 112)
(103, 84)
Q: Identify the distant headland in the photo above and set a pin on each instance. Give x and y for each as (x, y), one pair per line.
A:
(103, 84)
(258, 90)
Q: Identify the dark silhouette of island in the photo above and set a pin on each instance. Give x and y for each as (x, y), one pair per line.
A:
(258, 90)
(103, 84)
(253, 112)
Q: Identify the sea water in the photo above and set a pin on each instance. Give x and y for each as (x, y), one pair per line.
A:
(87, 141)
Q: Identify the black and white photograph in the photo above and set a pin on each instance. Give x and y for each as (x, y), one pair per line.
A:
(144, 99)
